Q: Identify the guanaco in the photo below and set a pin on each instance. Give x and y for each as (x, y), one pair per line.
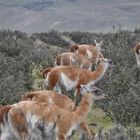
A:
(46, 118)
(137, 53)
(72, 77)
(70, 58)
(50, 97)
(63, 101)
(92, 52)
(18, 125)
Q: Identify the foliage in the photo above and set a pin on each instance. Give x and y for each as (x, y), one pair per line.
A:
(121, 82)
(23, 55)
(118, 133)
(18, 53)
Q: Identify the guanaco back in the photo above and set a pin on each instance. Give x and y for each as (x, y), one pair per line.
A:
(70, 58)
(66, 121)
(72, 77)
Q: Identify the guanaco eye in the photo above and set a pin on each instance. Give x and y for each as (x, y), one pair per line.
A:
(97, 93)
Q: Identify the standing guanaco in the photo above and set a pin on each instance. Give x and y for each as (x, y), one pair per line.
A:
(63, 101)
(71, 58)
(72, 77)
(46, 119)
(92, 52)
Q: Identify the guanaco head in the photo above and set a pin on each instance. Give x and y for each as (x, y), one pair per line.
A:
(73, 48)
(105, 60)
(98, 45)
(97, 94)
(45, 71)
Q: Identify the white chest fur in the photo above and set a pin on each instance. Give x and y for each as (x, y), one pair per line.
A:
(68, 83)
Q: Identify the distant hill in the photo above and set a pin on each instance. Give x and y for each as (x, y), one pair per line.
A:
(69, 15)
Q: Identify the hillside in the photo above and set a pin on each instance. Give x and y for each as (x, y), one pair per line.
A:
(23, 56)
(69, 15)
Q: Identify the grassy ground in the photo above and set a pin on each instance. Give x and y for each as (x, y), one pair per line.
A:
(98, 117)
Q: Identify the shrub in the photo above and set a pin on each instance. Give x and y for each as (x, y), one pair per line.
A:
(19, 51)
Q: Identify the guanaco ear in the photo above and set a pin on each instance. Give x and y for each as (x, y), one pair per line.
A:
(95, 41)
(105, 60)
(101, 42)
(101, 59)
(84, 89)
(90, 89)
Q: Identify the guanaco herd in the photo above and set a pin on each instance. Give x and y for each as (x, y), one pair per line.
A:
(51, 115)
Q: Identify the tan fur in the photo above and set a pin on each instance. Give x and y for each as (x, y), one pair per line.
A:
(45, 71)
(73, 73)
(137, 48)
(3, 111)
(137, 53)
(66, 121)
(70, 58)
(83, 50)
(62, 101)
(73, 48)
(19, 123)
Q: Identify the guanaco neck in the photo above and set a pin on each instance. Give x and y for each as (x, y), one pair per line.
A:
(137, 59)
(83, 109)
(99, 72)
(97, 51)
